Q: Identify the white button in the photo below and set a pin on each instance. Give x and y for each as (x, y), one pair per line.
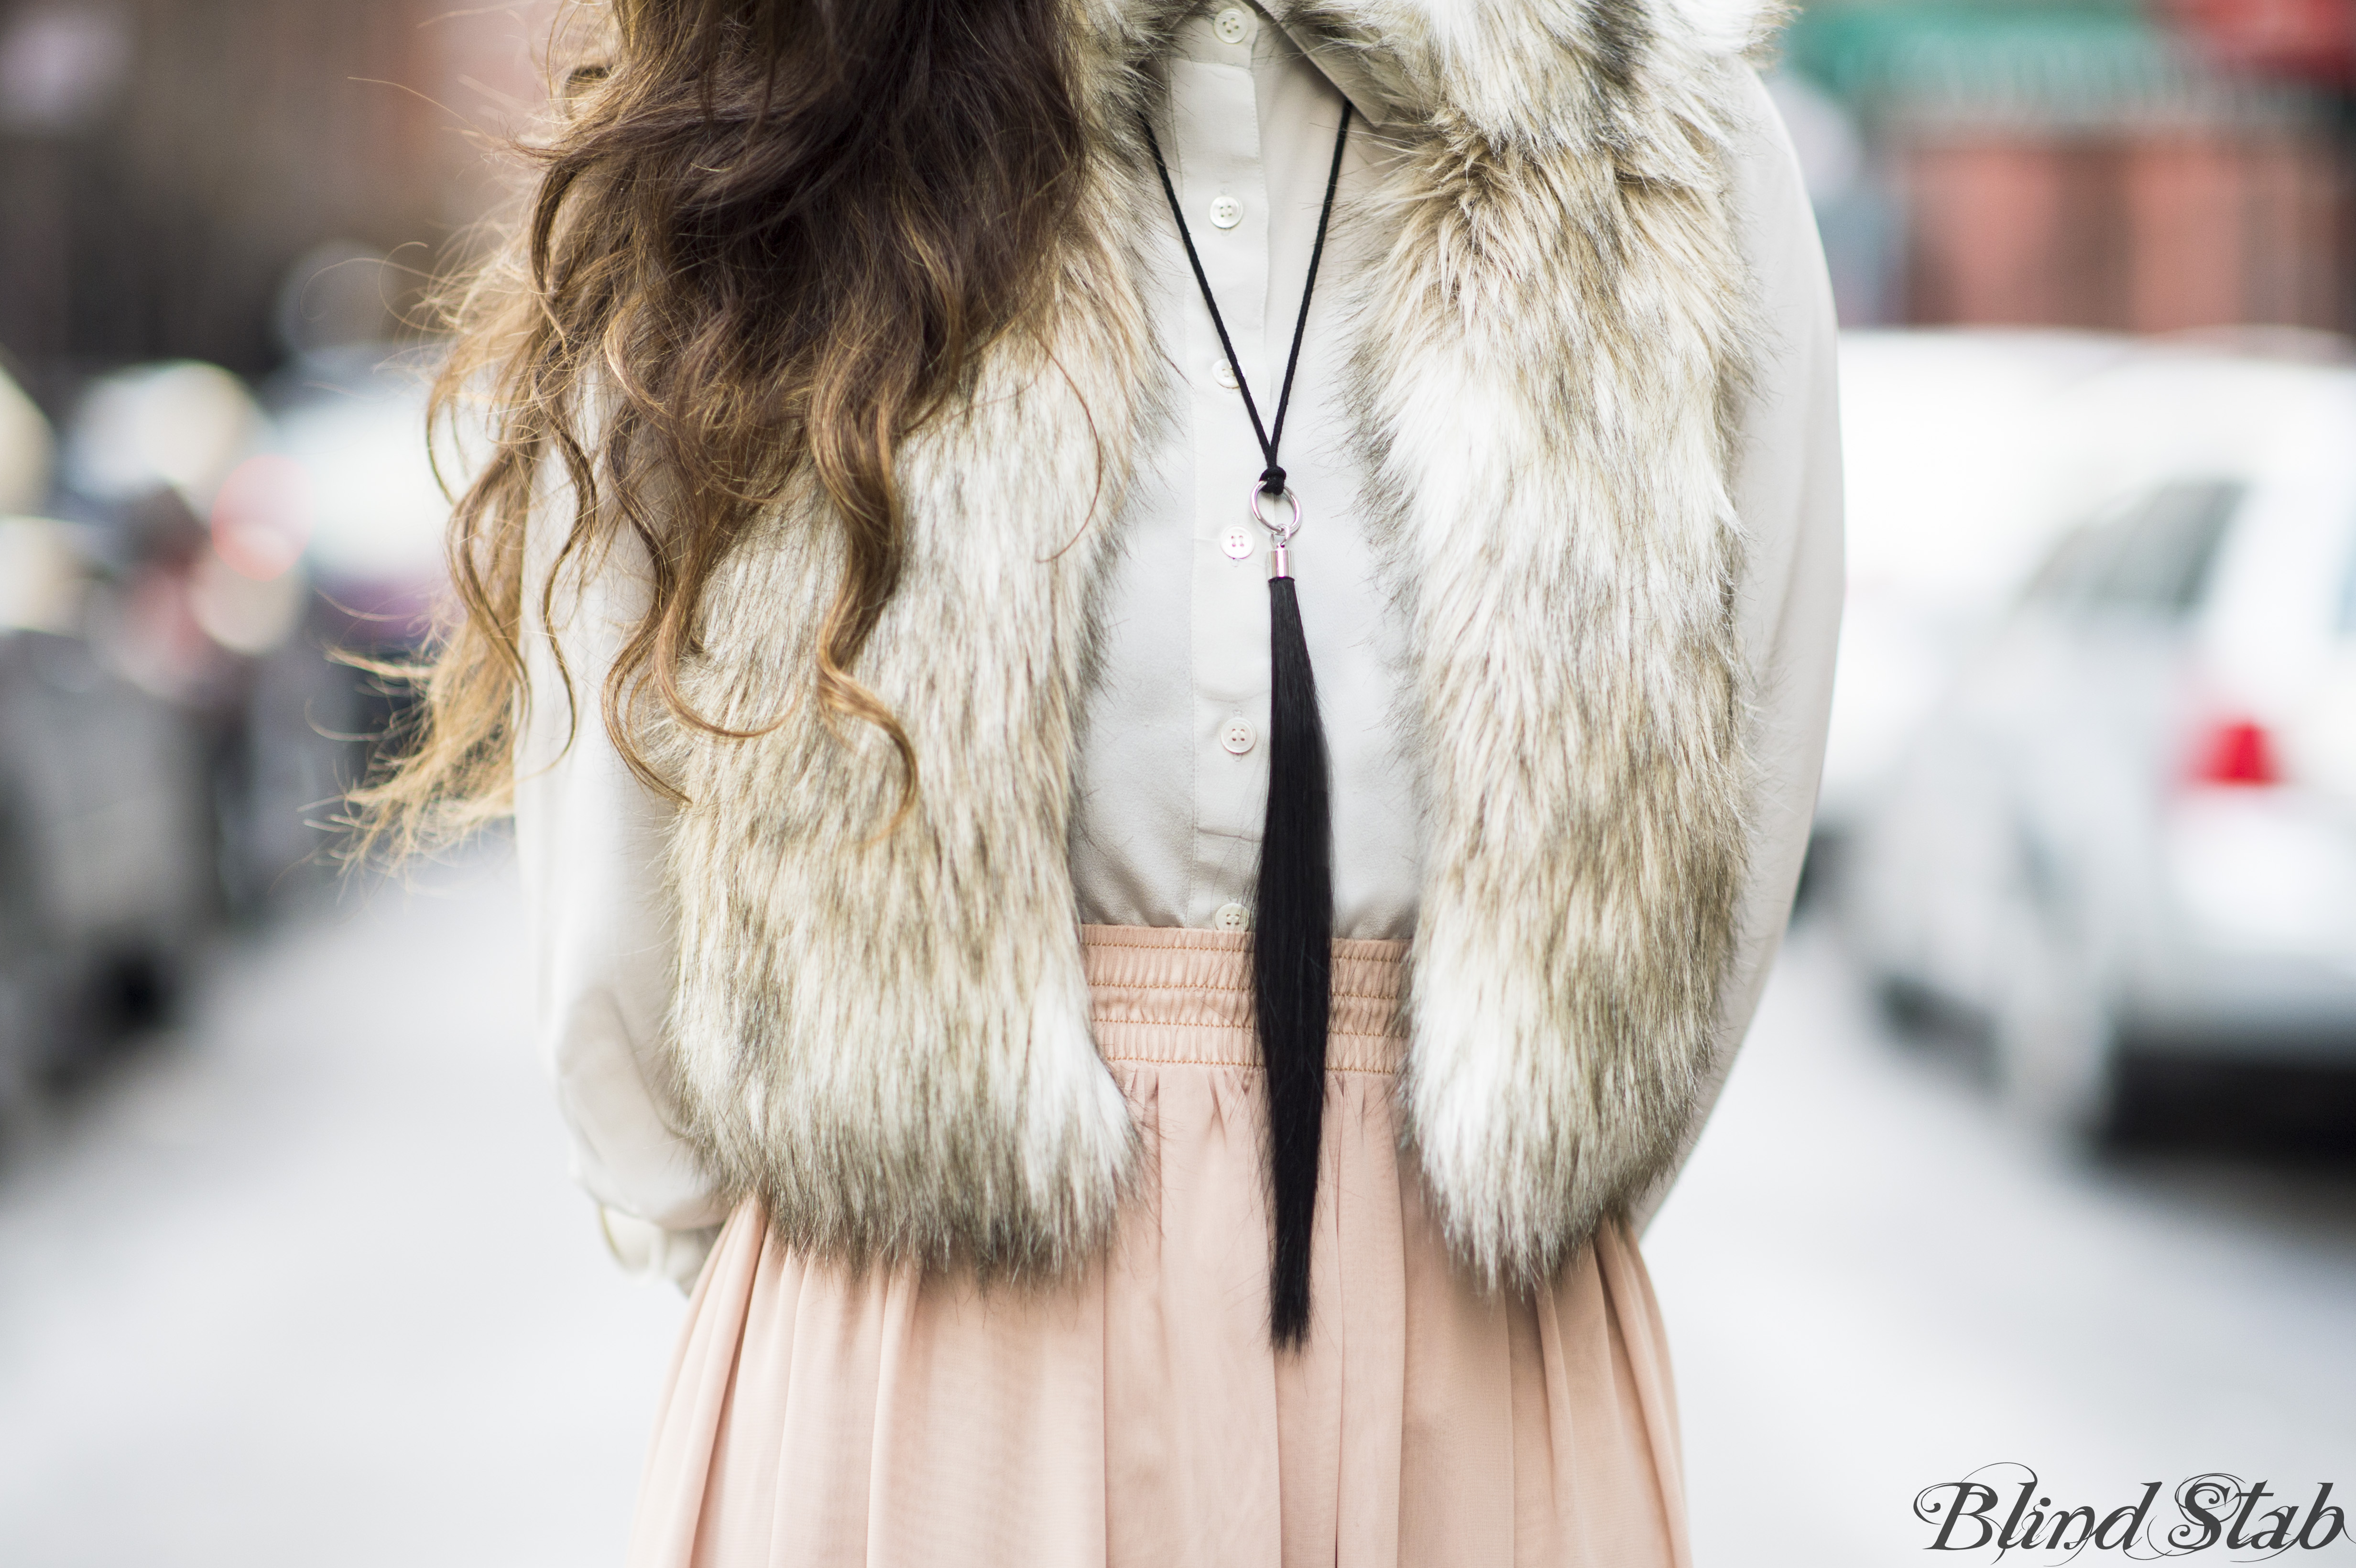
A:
(1224, 374)
(1226, 211)
(1232, 26)
(1237, 737)
(1232, 917)
(1238, 543)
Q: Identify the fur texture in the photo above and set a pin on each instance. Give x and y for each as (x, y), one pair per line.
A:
(884, 1034)
(1542, 390)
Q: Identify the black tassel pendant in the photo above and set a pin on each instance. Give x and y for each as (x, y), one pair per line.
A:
(1292, 951)
(1292, 921)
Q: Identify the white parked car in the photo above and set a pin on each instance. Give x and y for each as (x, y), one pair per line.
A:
(1961, 469)
(2129, 830)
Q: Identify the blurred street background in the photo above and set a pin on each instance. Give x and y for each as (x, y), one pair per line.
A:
(2043, 1154)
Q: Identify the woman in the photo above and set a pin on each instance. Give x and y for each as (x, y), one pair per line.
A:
(1211, 628)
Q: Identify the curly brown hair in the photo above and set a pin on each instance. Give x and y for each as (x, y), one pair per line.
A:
(766, 236)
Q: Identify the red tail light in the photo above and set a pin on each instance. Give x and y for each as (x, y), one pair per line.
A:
(2236, 752)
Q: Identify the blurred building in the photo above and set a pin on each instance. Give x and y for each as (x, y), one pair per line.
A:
(164, 164)
(2101, 163)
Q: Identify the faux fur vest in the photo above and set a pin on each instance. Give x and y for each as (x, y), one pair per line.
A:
(885, 1035)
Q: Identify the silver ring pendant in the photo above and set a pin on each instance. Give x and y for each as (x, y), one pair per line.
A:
(1285, 533)
(1280, 563)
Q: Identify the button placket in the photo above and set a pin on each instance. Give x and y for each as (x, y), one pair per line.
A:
(1215, 158)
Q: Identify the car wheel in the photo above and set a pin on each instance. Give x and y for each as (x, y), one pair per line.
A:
(2054, 1040)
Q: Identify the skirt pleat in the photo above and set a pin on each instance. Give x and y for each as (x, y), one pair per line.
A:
(1137, 1417)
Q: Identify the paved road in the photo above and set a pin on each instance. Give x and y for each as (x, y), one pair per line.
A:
(1874, 1284)
(309, 1288)
(305, 1286)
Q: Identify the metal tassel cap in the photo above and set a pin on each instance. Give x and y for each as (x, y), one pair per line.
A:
(1278, 561)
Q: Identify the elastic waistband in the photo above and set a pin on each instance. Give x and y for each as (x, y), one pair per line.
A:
(1170, 995)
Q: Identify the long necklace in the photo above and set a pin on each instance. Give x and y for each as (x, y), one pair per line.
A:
(1292, 918)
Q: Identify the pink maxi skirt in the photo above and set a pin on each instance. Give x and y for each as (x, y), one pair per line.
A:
(1139, 1418)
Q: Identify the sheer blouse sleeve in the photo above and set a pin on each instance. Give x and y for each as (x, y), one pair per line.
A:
(1787, 489)
(589, 839)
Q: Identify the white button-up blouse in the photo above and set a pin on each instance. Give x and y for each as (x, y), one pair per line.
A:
(1172, 764)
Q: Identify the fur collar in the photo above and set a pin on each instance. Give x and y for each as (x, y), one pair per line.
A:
(886, 1036)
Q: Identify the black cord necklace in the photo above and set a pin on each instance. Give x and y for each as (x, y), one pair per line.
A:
(1292, 918)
